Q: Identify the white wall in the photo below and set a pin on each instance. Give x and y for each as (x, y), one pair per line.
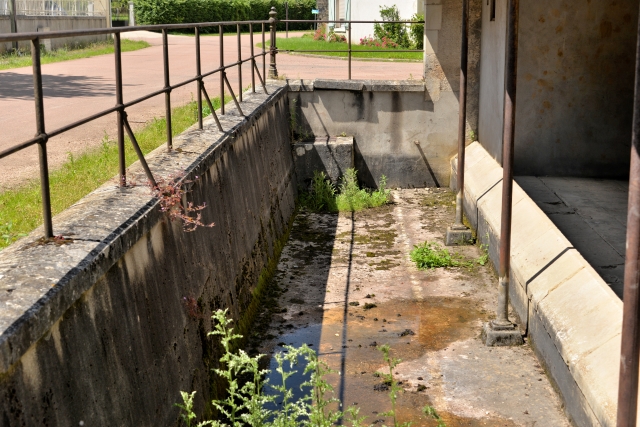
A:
(369, 10)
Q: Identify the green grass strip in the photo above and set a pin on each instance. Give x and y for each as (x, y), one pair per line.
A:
(308, 43)
(23, 59)
(21, 208)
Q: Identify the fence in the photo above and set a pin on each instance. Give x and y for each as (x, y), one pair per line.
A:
(43, 135)
(50, 8)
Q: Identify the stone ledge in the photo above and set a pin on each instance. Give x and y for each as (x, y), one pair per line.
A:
(40, 282)
(575, 317)
(356, 85)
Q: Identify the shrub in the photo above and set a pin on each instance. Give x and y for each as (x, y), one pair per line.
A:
(395, 32)
(320, 33)
(416, 31)
(151, 12)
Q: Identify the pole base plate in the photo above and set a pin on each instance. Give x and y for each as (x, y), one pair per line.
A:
(458, 236)
(501, 336)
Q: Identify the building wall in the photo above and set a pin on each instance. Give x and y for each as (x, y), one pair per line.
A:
(28, 24)
(369, 10)
(575, 86)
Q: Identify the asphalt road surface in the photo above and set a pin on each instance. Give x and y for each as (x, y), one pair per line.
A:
(76, 89)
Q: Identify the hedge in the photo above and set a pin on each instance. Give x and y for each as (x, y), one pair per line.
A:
(151, 12)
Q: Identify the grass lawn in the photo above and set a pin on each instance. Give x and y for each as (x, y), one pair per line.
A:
(21, 208)
(308, 43)
(23, 59)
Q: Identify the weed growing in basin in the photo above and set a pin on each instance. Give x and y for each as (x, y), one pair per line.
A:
(430, 411)
(170, 193)
(430, 255)
(349, 197)
(246, 404)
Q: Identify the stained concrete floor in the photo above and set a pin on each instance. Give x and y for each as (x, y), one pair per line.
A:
(333, 265)
(592, 214)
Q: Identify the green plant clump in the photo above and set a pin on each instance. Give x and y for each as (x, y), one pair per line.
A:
(397, 32)
(430, 255)
(349, 197)
(246, 402)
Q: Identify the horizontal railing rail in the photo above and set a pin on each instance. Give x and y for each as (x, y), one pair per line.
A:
(350, 49)
(43, 135)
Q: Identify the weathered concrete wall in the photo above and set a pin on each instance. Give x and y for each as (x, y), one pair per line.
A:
(572, 317)
(28, 24)
(575, 86)
(109, 327)
(397, 132)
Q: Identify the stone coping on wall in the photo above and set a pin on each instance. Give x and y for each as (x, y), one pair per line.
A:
(40, 280)
(572, 317)
(357, 85)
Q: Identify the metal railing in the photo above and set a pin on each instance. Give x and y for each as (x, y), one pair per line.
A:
(50, 8)
(43, 135)
(349, 50)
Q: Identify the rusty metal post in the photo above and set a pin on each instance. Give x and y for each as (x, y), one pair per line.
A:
(221, 32)
(122, 167)
(239, 64)
(458, 233)
(349, 31)
(42, 144)
(253, 60)
(273, 21)
(502, 331)
(199, 75)
(167, 88)
(264, 54)
(629, 355)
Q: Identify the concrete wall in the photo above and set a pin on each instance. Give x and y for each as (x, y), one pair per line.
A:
(575, 86)
(397, 132)
(572, 317)
(109, 327)
(28, 24)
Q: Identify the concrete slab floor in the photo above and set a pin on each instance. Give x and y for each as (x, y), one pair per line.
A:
(335, 264)
(592, 214)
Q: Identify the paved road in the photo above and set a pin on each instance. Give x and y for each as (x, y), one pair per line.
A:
(76, 89)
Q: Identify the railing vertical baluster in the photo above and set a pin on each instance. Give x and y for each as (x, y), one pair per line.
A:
(221, 30)
(264, 54)
(122, 167)
(349, 31)
(239, 63)
(42, 145)
(199, 75)
(273, 70)
(167, 87)
(253, 60)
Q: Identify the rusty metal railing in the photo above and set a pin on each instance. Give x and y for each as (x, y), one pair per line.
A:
(43, 135)
(349, 50)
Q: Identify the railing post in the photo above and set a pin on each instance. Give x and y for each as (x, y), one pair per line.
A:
(630, 348)
(199, 75)
(458, 233)
(239, 63)
(42, 145)
(120, 114)
(253, 60)
(221, 33)
(349, 31)
(167, 88)
(264, 54)
(273, 70)
(502, 331)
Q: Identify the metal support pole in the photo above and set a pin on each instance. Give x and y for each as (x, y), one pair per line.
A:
(167, 88)
(264, 53)
(273, 70)
(221, 32)
(239, 64)
(629, 356)
(458, 233)
(286, 16)
(502, 331)
(14, 23)
(122, 167)
(199, 75)
(349, 32)
(253, 60)
(42, 145)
